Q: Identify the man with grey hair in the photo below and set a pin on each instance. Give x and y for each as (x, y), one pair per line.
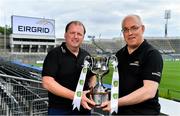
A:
(140, 68)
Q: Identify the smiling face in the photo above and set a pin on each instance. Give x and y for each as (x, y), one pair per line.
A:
(133, 30)
(74, 36)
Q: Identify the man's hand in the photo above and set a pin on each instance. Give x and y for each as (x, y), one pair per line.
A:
(106, 106)
(86, 102)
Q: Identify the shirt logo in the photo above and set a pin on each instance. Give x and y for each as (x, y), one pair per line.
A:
(156, 74)
(135, 63)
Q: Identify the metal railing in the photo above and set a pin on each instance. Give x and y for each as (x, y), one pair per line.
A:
(20, 96)
(37, 106)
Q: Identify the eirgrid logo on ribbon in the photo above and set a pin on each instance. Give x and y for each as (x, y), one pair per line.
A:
(115, 86)
(79, 89)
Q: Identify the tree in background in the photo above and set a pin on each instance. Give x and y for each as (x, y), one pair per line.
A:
(8, 30)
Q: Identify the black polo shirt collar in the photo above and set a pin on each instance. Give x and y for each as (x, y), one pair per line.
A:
(66, 50)
(139, 49)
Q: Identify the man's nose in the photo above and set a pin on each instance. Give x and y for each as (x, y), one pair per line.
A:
(75, 35)
(129, 31)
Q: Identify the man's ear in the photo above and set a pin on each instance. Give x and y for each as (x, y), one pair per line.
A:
(143, 28)
(65, 35)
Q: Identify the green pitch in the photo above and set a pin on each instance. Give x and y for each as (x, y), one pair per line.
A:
(170, 82)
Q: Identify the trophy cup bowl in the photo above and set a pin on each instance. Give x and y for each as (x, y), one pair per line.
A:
(99, 66)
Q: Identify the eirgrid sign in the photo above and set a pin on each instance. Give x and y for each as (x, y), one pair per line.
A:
(33, 26)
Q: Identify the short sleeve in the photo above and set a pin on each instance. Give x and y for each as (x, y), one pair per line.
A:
(50, 65)
(152, 68)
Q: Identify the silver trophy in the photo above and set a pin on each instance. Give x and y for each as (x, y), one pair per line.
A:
(99, 66)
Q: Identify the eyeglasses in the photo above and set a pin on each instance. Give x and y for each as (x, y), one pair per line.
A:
(132, 29)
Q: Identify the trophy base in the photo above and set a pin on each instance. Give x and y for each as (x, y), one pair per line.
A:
(100, 97)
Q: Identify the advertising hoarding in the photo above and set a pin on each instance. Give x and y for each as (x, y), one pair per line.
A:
(33, 26)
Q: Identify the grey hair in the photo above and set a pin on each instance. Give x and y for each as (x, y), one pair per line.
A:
(132, 15)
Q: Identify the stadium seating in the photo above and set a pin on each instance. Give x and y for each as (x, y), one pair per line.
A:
(20, 89)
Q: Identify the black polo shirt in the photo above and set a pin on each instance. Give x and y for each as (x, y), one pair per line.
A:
(65, 68)
(145, 63)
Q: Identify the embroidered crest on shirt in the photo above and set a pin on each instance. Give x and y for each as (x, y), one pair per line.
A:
(156, 73)
(135, 63)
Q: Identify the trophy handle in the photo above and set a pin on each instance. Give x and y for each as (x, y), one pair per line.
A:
(91, 58)
(113, 58)
(87, 58)
(107, 61)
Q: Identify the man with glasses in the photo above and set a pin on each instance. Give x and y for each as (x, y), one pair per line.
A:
(140, 67)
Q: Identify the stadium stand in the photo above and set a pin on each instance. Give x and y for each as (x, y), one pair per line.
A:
(176, 45)
(108, 45)
(166, 45)
(29, 48)
(21, 92)
(89, 47)
(163, 46)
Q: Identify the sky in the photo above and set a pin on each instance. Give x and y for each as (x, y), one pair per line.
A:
(102, 18)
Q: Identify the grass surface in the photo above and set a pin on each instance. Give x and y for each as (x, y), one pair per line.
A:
(170, 82)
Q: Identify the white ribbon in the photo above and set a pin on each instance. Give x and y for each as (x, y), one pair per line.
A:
(79, 89)
(114, 88)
